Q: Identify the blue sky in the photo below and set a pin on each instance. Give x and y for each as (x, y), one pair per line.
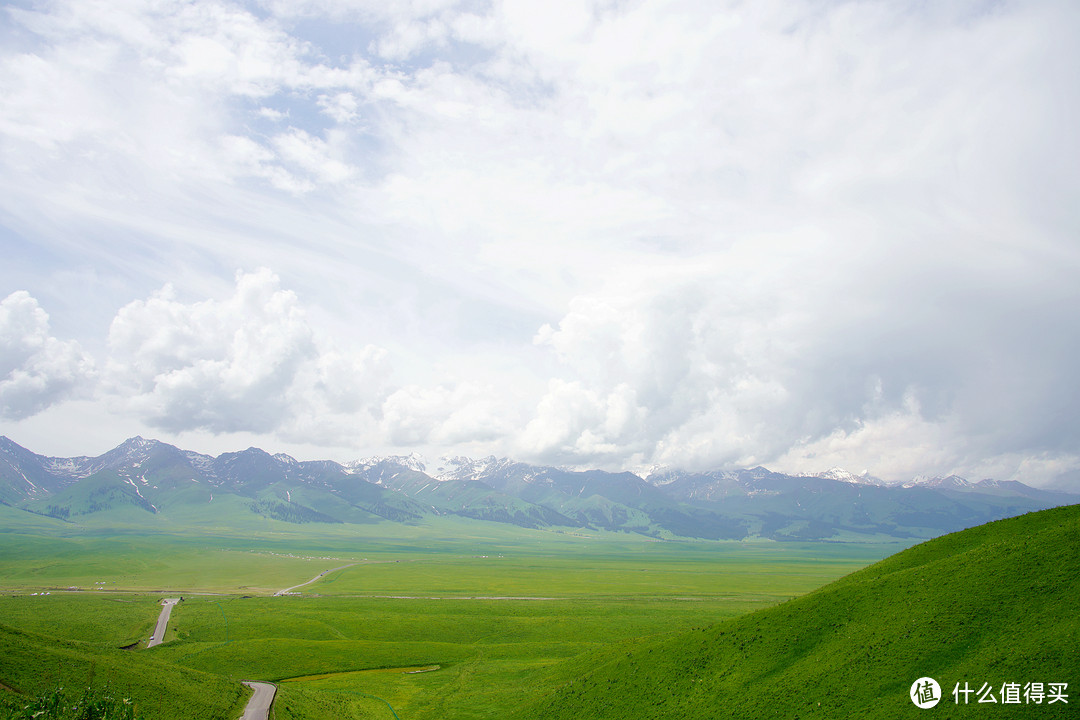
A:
(610, 234)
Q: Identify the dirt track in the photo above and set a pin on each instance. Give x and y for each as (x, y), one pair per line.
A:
(324, 572)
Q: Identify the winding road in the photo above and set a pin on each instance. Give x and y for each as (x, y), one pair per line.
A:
(258, 707)
(324, 572)
(162, 622)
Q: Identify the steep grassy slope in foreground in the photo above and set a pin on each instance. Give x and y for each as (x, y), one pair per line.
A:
(33, 664)
(994, 604)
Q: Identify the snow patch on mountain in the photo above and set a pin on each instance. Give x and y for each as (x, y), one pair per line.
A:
(132, 484)
(75, 468)
(460, 467)
(412, 461)
(842, 475)
(203, 463)
(952, 482)
(658, 475)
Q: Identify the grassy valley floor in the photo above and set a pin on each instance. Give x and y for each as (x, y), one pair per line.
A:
(492, 618)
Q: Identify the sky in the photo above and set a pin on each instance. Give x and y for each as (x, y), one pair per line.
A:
(611, 234)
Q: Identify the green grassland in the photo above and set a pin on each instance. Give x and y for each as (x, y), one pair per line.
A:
(487, 651)
(513, 623)
(71, 641)
(92, 619)
(995, 604)
(149, 563)
(32, 664)
(442, 555)
(419, 596)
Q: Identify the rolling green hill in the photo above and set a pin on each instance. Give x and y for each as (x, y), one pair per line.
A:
(995, 605)
(33, 664)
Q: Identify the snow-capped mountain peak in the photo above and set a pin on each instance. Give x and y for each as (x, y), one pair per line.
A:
(951, 482)
(464, 468)
(412, 461)
(657, 475)
(842, 475)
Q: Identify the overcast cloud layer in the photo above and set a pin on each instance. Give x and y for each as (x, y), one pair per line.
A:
(796, 233)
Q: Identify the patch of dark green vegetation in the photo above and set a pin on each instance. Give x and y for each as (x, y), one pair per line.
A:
(98, 493)
(290, 512)
(992, 605)
(90, 704)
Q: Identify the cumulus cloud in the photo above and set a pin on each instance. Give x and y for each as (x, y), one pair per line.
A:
(36, 369)
(775, 232)
(250, 362)
(444, 415)
(663, 364)
(584, 425)
(736, 361)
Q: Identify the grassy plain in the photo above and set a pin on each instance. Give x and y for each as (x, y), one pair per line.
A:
(501, 613)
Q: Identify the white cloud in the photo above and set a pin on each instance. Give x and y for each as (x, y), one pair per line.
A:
(335, 400)
(314, 155)
(342, 106)
(36, 369)
(745, 359)
(764, 232)
(444, 415)
(248, 363)
(664, 364)
(580, 425)
(408, 37)
(245, 157)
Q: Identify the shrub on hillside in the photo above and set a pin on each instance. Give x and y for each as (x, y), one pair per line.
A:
(92, 704)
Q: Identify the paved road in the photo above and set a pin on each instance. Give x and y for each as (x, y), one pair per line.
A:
(162, 622)
(324, 572)
(258, 707)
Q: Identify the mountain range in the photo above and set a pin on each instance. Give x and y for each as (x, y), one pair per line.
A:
(147, 481)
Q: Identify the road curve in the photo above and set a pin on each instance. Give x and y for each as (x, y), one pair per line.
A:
(162, 622)
(324, 572)
(258, 707)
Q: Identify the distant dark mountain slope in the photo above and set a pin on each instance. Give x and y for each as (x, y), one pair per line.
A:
(993, 605)
(462, 496)
(786, 507)
(143, 475)
(23, 475)
(598, 499)
(753, 502)
(101, 492)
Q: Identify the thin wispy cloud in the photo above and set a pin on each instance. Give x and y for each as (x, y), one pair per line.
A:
(789, 233)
